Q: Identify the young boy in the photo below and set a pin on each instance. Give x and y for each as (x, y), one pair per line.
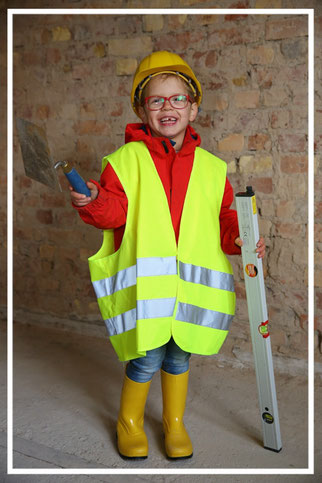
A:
(164, 285)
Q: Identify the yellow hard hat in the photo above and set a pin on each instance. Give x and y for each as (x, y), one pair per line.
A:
(159, 63)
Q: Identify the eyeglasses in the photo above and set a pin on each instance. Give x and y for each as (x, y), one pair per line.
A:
(177, 101)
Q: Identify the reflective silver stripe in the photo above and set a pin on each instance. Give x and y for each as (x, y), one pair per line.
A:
(146, 309)
(153, 308)
(146, 267)
(208, 318)
(121, 323)
(122, 279)
(206, 276)
(153, 266)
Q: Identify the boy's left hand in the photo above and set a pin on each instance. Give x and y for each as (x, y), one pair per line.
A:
(260, 246)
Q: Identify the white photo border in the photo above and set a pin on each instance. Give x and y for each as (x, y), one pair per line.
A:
(197, 471)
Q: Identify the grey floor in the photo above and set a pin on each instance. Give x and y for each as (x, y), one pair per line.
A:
(66, 396)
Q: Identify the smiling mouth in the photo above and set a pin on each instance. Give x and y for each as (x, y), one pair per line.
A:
(168, 120)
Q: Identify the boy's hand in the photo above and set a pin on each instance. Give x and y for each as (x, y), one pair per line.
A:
(260, 246)
(80, 200)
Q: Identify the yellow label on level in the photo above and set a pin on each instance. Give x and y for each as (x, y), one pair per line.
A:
(254, 205)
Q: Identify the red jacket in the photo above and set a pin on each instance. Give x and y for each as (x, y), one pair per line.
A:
(109, 210)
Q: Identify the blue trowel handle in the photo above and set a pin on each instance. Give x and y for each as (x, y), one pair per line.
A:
(77, 182)
(74, 178)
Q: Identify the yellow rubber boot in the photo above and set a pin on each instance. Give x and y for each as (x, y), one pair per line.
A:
(174, 394)
(131, 438)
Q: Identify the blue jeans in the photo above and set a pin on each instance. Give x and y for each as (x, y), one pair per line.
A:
(169, 357)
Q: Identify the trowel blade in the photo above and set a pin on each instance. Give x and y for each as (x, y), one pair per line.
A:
(36, 154)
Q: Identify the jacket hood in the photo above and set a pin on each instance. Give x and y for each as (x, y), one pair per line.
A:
(142, 132)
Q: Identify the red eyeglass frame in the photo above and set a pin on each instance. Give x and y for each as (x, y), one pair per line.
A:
(167, 99)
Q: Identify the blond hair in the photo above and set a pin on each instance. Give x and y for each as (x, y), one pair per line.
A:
(164, 76)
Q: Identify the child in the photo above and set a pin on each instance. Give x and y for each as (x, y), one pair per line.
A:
(164, 285)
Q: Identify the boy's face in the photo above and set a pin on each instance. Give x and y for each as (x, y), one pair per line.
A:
(168, 122)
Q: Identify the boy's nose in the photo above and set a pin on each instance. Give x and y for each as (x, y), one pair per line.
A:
(166, 104)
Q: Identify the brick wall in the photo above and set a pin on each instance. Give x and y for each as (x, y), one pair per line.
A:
(72, 75)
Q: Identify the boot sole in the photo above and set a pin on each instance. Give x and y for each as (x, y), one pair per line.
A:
(173, 458)
(132, 457)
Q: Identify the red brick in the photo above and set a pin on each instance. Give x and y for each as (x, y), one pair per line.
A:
(259, 142)
(176, 21)
(47, 252)
(25, 182)
(227, 36)
(294, 143)
(43, 112)
(318, 26)
(84, 149)
(46, 36)
(204, 120)
(264, 77)
(285, 209)
(87, 110)
(107, 66)
(124, 88)
(53, 56)
(92, 127)
(318, 210)
(260, 55)
(32, 200)
(318, 232)
(182, 40)
(296, 73)
(286, 28)
(318, 144)
(318, 298)
(247, 99)
(45, 216)
(238, 5)
(199, 57)
(66, 218)
(289, 230)
(240, 290)
(31, 58)
(233, 142)
(280, 119)
(48, 284)
(47, 266)
(263, 185)
(221, 37)
(118, 110)
(294, 164)
(275, 96)
(211, 59)
(53, 200)
(318, 185)
(81, 71)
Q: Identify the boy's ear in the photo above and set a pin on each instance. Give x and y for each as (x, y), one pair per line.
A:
(193, 112)
(142, 114)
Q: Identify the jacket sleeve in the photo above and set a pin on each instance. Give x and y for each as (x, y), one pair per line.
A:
(229, 230)
(109, 210)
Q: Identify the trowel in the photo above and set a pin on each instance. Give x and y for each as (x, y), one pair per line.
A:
(38, 162)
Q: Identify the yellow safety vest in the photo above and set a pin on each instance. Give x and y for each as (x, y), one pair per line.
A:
(151, 288)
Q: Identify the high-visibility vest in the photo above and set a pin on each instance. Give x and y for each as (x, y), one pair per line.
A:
(152, 288)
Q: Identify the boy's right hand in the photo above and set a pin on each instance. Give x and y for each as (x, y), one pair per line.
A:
(80, 200)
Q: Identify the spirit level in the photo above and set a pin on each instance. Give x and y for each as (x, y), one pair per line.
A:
(258, 319)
